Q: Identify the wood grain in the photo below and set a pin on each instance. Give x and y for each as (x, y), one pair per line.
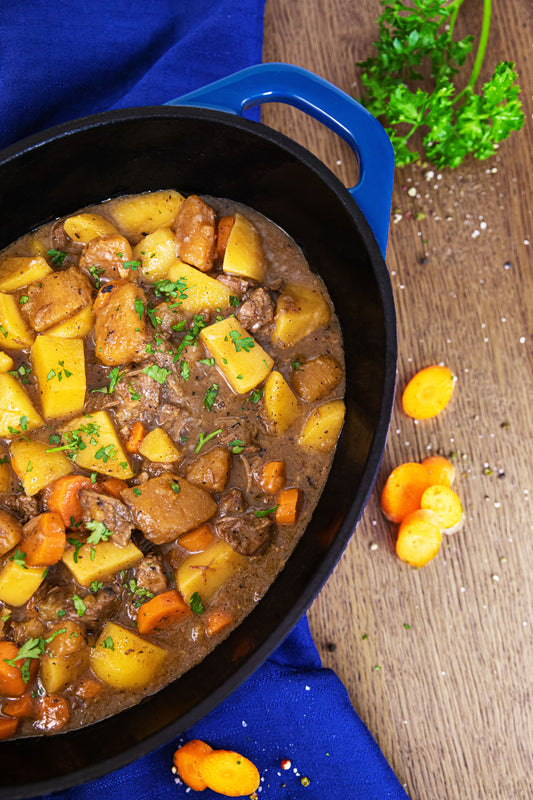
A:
(439, 662)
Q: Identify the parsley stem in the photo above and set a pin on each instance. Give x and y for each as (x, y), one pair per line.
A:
(482, 46)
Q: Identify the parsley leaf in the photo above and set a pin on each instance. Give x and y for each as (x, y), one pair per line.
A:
(241, 342)
(159, 374)
(204, 437)
(57, 257)
(210, 396)
(100, 532)
(196, 604)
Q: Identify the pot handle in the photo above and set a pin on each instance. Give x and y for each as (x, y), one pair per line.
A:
(286, 83)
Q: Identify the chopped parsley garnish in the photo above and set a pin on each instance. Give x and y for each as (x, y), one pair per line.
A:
(57, 256)
(241, 342)
(136, 491)
(114, 376)
(296, 365)
(237, 446)
(139, 307)
(234, 301)
(21, 373)
(139, 593)
(96, 272)
(79, 605)
(255, 396)
(209, 362)
(19, 559)
(210, 396)
(173, 289)
(108, 643)
(99, 532)
(23, 299)
(264, 512)
(106, 453)
(95, 586)
(154, 319)
(204, 437)
(196, 604)
(174, 485)
(133, 394)
(77, 545)
(133, 265)
(185, 370)
(159, 374)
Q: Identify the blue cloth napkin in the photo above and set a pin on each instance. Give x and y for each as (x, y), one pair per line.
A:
(70, 58)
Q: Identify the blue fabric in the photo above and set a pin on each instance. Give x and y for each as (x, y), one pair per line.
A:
(69, 58)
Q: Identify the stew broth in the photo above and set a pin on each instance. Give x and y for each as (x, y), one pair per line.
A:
(171, 396)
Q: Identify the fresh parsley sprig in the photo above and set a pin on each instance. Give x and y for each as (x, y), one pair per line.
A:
(415, 35)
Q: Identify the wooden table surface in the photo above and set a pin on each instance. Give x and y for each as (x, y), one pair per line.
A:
(439, 661)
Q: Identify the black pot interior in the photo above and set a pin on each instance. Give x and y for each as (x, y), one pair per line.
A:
(214, 153)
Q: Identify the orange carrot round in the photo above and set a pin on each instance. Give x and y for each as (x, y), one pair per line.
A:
(63, 499)
(19, 707)
(288, 502)
(446, 505)
(8, 727)
(114, 487)
(428, 392)
(217, 620)
(419, 537)
(136, 436)
(198, 540)
(44, 540)
(403, 489)
(229, 773)
(440, 470)
(161, 610)
(12, 683)
(187, 760)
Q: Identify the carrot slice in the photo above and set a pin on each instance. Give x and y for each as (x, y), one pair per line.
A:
(419, 537)
(440, 470)
(161, 610)
(198, 540)
(8, 727)
(288, 503)
(403, 489)
(446, 505)
(54, 712)
(44, 540)
(135, 438)
(114, 487)
(12, 683)
(428, 392)
(187, 760)
(63, 499)
(217, 620)
(273, 477)
(225, 224)
(229, 773)
(19, 707)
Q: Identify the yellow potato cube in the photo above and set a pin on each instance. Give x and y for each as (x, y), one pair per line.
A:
(57, 672)
(19, 271)
(323, 426)
(17, 413)
(98, 562)
(300, 310)
(123, 660)
(102, 450)
(158, 446)
(14, 333)
(59, 366)
(6, 362)
(206, 572)
(78, 326)
(85, 227)
(156, 253)
(144, 213)
(200, 292)
(281, 405)
(18, 584)
(35, 467)
(240, 359)
(244, 251)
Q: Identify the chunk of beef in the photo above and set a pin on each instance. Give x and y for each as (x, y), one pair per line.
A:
(61, 241)
(105, 256)
(247, 534)
(139, 398)
(120, 327)
(210, 470)
(47, 601)
(56, 297)
(174, 420)
(232, 502)
(109, 510)
(10, 532)
(257, 311)
(100, 606)
(167, 506)
(150, 575)
(195, 228)
(28, 628)
(237, 285)
(22, 506)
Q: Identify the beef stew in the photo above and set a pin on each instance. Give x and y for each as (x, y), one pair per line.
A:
(171, 388)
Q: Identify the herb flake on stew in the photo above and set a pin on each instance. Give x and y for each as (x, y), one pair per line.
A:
(196, 604)
(241, 342)
(204, 437)
(57, 256)
(79, 605)
(264, 512)
(99, 532)
(114, 376)
(159, 374)
(210, 396)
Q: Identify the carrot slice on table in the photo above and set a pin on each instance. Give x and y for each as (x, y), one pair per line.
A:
(44, 540)
(19, 707)
(446, 505)
(161, 610)
(217, 620)
(428, 392)
(12, 683)
(136, 436)
(225, 224)
(187, 761)
(64, 500)
(419, 537)
(229, 773)
(288, 503)
(198, 540)
(440, 470)
(403, 489)
(273, 477)
(8, 727)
